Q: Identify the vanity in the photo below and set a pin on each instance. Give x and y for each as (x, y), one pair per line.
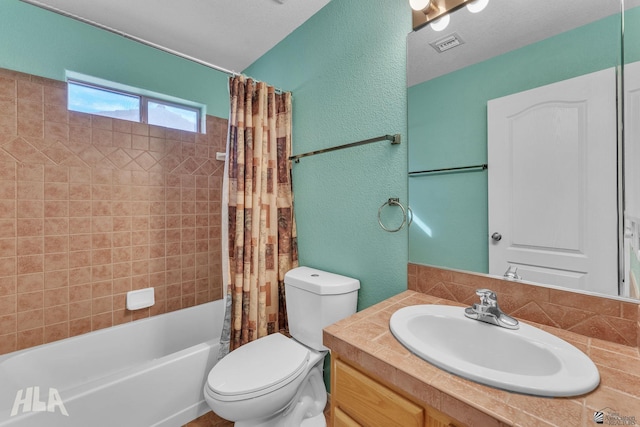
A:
(376, 381)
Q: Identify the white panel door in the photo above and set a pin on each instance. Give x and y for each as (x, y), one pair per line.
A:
(552, 183)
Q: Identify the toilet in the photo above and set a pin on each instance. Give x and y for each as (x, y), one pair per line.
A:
(275, 380)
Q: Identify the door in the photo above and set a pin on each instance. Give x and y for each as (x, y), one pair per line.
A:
(552, 183)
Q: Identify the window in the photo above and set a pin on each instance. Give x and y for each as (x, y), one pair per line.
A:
(172, 115)
(104, 101)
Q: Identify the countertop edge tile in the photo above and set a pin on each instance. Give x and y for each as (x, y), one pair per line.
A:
(473, 403)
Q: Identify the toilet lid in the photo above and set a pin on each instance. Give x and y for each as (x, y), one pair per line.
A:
(258, 365)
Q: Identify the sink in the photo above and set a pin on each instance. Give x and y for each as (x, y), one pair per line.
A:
(527, 360)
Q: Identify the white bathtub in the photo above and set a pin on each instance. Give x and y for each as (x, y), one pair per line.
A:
(149, 372)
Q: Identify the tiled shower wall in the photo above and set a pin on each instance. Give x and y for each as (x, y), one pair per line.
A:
(92, 207)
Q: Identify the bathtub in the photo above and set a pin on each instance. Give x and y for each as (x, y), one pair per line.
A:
(149, 372)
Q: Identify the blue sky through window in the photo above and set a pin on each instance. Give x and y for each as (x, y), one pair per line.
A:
(102, 101)
(90, 100)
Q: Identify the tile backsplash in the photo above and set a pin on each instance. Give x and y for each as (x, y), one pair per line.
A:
(603, 318)
(92, 207)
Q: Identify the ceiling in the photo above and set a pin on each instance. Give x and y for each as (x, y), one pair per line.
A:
(503, 26)
(231, 34)
(225, 34)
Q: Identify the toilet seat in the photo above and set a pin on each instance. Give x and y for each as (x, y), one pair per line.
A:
(257, 368)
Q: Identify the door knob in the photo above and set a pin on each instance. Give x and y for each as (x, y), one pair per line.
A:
(496, 236)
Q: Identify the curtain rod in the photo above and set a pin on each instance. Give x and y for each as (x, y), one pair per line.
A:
(128, 36)
(395, 139)
(481, 167)
(230, 73)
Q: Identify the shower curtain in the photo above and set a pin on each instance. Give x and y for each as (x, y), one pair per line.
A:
(261, 226)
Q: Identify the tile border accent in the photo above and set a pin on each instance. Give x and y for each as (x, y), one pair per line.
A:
(593, 316)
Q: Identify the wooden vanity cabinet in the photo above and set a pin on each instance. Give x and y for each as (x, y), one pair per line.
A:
(357, 399)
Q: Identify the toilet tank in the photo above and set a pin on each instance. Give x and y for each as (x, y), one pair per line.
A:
(316, 299)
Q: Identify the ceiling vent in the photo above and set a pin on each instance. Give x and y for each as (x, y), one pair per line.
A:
(447, 43)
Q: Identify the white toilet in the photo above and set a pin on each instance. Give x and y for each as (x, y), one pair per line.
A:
(275, 380)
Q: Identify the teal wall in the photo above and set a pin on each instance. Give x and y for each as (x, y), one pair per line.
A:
(448, 127)
(42, 43)
(346, 67)
(632, 35)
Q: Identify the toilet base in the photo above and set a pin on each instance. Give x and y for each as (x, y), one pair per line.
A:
(317, 421)
(311, 398)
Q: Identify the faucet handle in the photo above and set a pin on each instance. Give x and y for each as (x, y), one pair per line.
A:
(489, 312)
(487, 297)
(512, 273)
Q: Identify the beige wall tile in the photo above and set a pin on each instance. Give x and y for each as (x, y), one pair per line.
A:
(110, 206)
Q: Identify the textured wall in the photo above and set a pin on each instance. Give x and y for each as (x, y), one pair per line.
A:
(92, 207)
(346, 69)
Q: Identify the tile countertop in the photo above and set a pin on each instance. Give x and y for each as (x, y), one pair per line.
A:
(365, 339)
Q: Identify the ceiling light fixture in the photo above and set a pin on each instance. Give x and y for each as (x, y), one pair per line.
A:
(441, 23)
(477, 5)
(419, 4)
(428, 11)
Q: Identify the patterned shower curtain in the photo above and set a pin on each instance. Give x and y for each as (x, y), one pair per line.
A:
(262, 231)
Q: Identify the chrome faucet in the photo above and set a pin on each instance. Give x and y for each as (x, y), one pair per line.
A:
(489, 312)
(512, 273)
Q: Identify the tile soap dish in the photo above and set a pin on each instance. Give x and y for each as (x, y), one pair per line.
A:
(140, 299)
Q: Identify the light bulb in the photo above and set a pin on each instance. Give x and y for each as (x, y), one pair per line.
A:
(419, 4)
(477, 5)
(440, 23)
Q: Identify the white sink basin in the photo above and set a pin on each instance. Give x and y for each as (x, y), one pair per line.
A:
(527, 360)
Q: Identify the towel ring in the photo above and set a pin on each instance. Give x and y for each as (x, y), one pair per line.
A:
(406, 213)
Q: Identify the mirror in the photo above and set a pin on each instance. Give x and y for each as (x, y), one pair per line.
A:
(511, 48)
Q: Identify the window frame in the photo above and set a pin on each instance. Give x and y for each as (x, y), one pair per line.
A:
(143, 101)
